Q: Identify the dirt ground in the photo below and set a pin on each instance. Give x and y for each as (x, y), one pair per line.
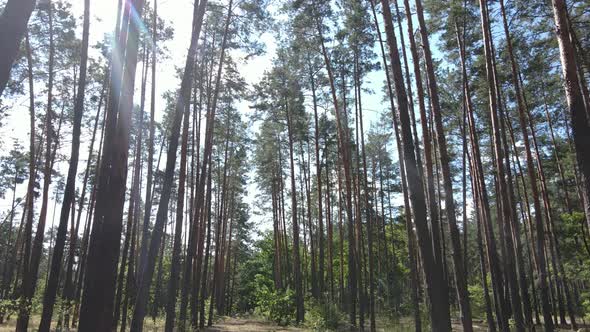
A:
(227, 324)
(249, 325)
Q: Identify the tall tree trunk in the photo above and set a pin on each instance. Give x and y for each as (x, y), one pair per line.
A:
(485, 214)
(330, 231)
(504, 214)
(175, 267)
(181, 104)
(206, 220)
(97, 304)
(370, 220)
(318, 163)
(296, 259)
(29, 200)
(459, 272)
(437, 288)
(13, 27)
(575, 100)
(344, 149)
(407, 210)
(31, 268)
(427, 140)
(68, 198)
(150, 167)
(482, 259)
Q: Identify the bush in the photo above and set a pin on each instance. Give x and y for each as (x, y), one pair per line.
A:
(277, 306)
(476, 297)
(321, 316)
(585, 299)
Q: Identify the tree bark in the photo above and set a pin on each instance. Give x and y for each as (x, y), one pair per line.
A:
(68, 198)
(459, 272)
(181, 105)
(97, 304)
(575, 100)
(437, 287)
(13, 27)
(31, 267)
(427, 140)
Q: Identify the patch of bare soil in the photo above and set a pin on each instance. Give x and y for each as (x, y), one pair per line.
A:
(249, 325)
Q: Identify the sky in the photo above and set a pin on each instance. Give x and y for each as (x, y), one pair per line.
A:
(178, 14)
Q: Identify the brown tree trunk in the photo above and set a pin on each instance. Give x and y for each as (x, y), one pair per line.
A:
(344, 150)
(31, 268)
(97, 304)
(575, 100)
(437, 288)
(296, 258)
(25, 237)
(13, 27)
(426, 138)
(459, 272)
(318, 163)
(479, 181)
(203, 285)
(68, 198)
(147, 272)
(175, 267)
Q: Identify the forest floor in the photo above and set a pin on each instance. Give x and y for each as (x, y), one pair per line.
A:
(253, 324)
(250, 325)
(226, 324)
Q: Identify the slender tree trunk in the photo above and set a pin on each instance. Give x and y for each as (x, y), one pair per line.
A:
(318, 163)
(296, 259)
(68, 199)
(344, 149)
(175, 267)
(437, 288)
(407, 211)
(29, 200)
(479, 181)
(203, 285)
(150, 167)
(181, 105)
(459, 272)
(426, 138)
(31, 268)
(482, 261)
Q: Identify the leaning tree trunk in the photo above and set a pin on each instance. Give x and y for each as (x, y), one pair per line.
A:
(575, 100)
(13, 27)
(407, 211)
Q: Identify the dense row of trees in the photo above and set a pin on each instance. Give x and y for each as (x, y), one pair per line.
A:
(467, 197)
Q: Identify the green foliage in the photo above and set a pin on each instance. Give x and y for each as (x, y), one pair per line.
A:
(586, 305)
(8, 307)
(476, 296)
(277, 306)
(323, 315)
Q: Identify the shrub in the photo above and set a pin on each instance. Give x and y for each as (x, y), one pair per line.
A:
(277, 306)
(324, 315)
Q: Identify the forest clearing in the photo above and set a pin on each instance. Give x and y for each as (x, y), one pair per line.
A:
(294, 165)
